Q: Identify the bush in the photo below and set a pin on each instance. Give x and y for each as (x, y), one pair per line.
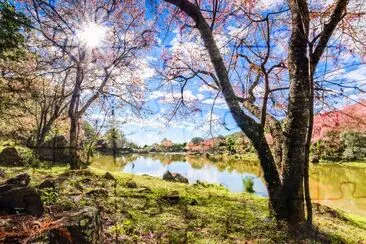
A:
(354, 145)
(29, 157)
(330, 147)
(248, 184)
(338, 146)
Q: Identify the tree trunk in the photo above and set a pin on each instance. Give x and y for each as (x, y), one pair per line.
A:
(252, 129)
(295, 131)
(287, 196)
(73, 150)
(74, 116)
(42, 135)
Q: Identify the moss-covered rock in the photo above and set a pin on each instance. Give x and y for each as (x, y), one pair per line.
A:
(109, 176)
(174, 177)
(76, 226)
(55, 150)
(131, 184)
(15, 198)
(9, 156)
(47, 183)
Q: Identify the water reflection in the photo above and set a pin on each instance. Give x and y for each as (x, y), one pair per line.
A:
(339, 186)
(335, 185)
(229, 173)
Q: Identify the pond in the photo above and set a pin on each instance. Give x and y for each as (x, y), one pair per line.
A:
(334, 185)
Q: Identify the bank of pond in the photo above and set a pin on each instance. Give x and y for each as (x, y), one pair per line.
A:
(98, 206)
(337, 185)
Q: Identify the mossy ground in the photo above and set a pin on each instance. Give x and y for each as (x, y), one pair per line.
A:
(203, 213)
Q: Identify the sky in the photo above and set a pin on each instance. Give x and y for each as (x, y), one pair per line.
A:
(200, 118)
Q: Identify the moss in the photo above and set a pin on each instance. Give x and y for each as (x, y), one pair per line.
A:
(205, 213)
(84, 222)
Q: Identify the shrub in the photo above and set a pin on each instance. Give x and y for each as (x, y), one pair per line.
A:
(329, 147)
(248, 184)
(349, 145)
(354, 145)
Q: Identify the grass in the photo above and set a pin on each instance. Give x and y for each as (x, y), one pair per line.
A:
(359, 163)
(203, 214)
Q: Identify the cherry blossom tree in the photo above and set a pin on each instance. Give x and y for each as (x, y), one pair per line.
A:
(98, 42)
(268, 60)
(37, 100)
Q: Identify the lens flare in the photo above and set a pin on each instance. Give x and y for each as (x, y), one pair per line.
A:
(92, 35)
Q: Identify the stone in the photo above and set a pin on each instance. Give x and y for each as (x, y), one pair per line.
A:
(19, 180)
(172, 197)
(168, 176)
(76, 226)
(55, 150)
(180, 178)
(194, 202)
(97, 192)
(47, 183)
(144, 190)
(14, 198)
(109, 176)
(9, 156)
(314, 159)
(131, 184)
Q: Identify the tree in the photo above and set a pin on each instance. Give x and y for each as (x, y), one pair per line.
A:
(197, 140)
(115, 139)
(285, 165)
(355, 145)
(31, 94)
(98, 42)
(166, 144)
(11, 39)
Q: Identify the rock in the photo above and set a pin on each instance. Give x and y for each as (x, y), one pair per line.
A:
(180, 178)
(15, 194)
(55, 150)
(10, 157)
(47, 183)
(144, 190)
(19, 180)
(131, 184)
(14, 198)
(314, 159)
(174, 177)
(172, 197)
(98, 192)
(194, 202)
(168, 176)
(109, 176)
(77, 226)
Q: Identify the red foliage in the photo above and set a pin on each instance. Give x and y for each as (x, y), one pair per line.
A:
(352, 117)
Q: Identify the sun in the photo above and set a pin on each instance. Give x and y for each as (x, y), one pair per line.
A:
(92, 34)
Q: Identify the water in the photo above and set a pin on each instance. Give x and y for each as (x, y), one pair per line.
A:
(334, 185)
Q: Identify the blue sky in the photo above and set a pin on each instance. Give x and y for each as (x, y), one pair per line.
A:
(157, 123)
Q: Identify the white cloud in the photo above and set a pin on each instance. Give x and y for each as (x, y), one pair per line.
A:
(171, 97)
(219, 103)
